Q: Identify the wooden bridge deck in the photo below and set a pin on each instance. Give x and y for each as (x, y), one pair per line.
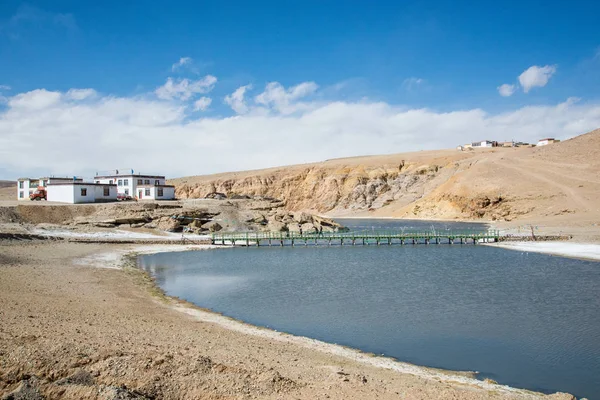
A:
(352, 238)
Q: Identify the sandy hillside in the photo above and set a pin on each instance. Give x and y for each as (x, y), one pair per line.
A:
(8, 190)
(555, 183)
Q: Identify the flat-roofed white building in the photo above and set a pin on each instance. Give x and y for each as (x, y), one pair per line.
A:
(546, 141)
(141, 187)
(81, 192)
(26, 186)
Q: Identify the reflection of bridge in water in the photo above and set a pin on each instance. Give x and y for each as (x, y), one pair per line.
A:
(353, 238)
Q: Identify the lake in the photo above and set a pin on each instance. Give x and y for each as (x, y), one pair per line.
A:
(523, 319)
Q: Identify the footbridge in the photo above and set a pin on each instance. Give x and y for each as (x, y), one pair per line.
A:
(353, 238)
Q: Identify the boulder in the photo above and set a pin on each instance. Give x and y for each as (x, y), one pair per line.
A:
(293, 227)
(168, 224)
(308, 228)
(277, 226)
(303, 217)
(212, 226)
(195, 224)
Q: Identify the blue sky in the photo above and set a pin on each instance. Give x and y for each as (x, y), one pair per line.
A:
(443, 56)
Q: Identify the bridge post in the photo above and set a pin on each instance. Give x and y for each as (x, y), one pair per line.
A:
(281, 243)
(353, 242)
(341, 241)
(270, 241)
(402, 242)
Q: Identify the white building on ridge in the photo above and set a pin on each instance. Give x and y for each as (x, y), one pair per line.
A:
(104, 188)
(26, 186)
(141, 187)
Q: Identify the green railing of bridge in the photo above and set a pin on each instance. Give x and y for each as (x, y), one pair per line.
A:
(355, 235)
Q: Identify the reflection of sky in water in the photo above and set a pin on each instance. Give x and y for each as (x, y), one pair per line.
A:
(524, 319)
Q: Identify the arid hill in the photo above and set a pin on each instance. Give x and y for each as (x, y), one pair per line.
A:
(8, 190)
(557, 182)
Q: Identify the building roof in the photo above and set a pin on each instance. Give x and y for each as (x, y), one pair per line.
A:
(149, 186)
(51, 177)
(129, 176)
(546, 139)
(81, 184)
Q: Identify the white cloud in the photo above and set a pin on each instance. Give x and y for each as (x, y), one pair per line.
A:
(4, 87)
(412, 83)
(80, 94)
(236, 99)
(182, 61)
(283, 100)
(202, 103)
(34, 100)
(104, 132)
(184, 89)
(506, 90)
(535, 76)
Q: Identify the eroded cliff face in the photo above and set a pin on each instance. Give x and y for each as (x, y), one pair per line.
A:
(352, 190)
(554, 181)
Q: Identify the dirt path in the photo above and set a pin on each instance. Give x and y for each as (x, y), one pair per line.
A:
(73, 331)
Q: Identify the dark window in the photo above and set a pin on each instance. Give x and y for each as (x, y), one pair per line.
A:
(20, 184)
(97, 181)
(157, 182)
(45, 183)
(125, 182)
(106, 191)
(147, 192)
(146, 181)
(159, 192)
(126, 192)
(120, 182)
(140, 182)
(21, 195)
(84, 192)
(110, 182)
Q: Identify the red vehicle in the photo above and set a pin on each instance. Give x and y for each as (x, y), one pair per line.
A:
(123, 197)
(39, 194)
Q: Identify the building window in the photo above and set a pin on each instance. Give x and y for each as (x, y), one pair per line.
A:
(110, 182)
(146, 181)
(45, 183)
(147, 192)
(20, 195)
(126, 192)
(83, 192)
(140, 182)
(120, 182)
(157, 182)
(125, 182)
(20, 184)
(97, 181)
(159, 192)
(106, 191)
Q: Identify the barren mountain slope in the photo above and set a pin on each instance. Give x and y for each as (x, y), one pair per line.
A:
(556, 181)
(8, 190)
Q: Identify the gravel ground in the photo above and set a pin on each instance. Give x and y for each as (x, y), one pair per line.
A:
(72, 330)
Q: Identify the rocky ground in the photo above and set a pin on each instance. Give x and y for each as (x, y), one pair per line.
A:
(193, 216)
(78, 331)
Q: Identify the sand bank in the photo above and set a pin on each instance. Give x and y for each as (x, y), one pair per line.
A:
(588, 251)
(74, 331)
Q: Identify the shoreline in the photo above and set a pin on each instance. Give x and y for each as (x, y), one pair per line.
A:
(351, 353)
(580, 251)
(102, 306)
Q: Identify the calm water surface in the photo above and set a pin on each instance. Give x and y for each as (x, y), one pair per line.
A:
(527, 320)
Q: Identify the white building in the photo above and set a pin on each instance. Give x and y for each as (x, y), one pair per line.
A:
(484, 143)
(546, 141)
(81, 192)
(26, 186)
(141, 187)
